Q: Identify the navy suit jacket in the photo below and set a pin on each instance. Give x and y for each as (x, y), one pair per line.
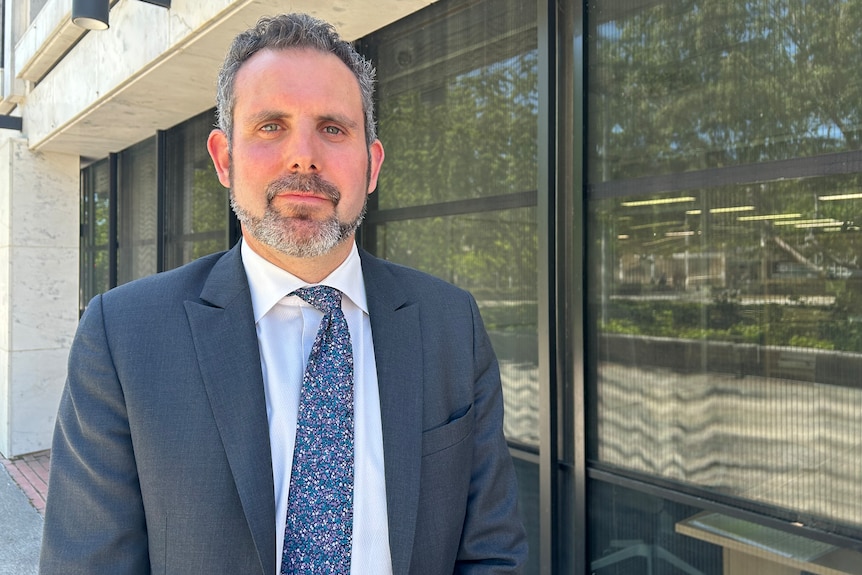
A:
(161, 456)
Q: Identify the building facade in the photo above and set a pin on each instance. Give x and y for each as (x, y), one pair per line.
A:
(655, 202)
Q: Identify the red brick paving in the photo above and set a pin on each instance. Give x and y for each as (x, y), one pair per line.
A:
(30, 472)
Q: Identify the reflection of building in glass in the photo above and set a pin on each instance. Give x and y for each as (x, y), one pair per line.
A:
(520, 394)
(727, 433)
(676, 272)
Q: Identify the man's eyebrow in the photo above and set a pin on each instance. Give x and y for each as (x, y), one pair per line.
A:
(345, 121)
(267, 116)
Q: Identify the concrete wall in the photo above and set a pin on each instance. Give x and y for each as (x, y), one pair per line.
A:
(38, 290)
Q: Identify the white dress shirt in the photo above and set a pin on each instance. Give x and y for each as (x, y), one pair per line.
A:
(286, 329)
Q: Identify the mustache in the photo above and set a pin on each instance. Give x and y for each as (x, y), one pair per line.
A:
(307, 183)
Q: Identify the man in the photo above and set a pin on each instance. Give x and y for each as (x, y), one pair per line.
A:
(184, 422)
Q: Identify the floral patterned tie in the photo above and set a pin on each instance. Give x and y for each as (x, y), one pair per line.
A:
(319, 529)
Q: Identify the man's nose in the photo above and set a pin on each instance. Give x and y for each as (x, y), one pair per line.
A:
(302, 152)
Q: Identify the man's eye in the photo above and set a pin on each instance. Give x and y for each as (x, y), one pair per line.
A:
(269, 128)
(332, 130)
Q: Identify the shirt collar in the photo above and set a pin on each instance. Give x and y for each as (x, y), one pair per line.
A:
(269, 283)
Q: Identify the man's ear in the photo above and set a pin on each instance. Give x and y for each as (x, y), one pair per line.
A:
(375, 155)
(219, 152)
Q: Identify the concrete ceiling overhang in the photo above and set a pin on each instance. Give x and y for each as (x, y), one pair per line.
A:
(180, 82)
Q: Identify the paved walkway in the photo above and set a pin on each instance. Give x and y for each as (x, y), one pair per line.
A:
(23, 488)
(30, 472)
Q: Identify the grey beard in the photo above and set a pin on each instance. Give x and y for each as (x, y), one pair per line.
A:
(289, 234)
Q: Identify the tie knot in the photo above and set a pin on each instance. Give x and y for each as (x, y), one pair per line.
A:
(324, 298)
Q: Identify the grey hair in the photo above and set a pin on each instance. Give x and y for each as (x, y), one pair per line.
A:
(281, 33)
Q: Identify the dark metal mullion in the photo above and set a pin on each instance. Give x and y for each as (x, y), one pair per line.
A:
(161, 198)
(86, 237)
(571, 278)
(528, 455)
(713, 502)
(550, 514)
(455, 208)
(836, 164)
(366, 235)
(234, 228)
(113, 225)
(200, 236)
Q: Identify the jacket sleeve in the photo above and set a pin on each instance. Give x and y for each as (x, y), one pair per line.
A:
(94, 519)
(493, 540)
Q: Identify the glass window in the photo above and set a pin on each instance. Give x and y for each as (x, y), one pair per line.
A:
(137, 212)
(492, 254)
(458, 109)
(636, 532)
(723, 251)
(457, 104)
(196, 210)
(95, 214)
(684, 86)
(632, 532)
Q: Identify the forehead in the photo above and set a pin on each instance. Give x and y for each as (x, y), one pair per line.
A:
(297, 76)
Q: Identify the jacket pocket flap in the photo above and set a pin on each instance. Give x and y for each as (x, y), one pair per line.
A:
(449, 434)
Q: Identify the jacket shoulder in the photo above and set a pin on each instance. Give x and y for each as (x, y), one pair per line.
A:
(165, 288)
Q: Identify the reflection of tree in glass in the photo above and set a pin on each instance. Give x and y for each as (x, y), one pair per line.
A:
(473, 137)
(691, 85)
(209, 212)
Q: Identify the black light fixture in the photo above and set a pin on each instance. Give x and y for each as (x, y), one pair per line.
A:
(93, 14)
(8, 122)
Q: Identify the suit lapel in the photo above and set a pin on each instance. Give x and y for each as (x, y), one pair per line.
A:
(398, 356)
(229, 358)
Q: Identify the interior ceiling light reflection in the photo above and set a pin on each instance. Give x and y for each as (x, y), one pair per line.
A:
(856, 196)
(819, 223)
(731, 209)
(658, 201)
(769, 217)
